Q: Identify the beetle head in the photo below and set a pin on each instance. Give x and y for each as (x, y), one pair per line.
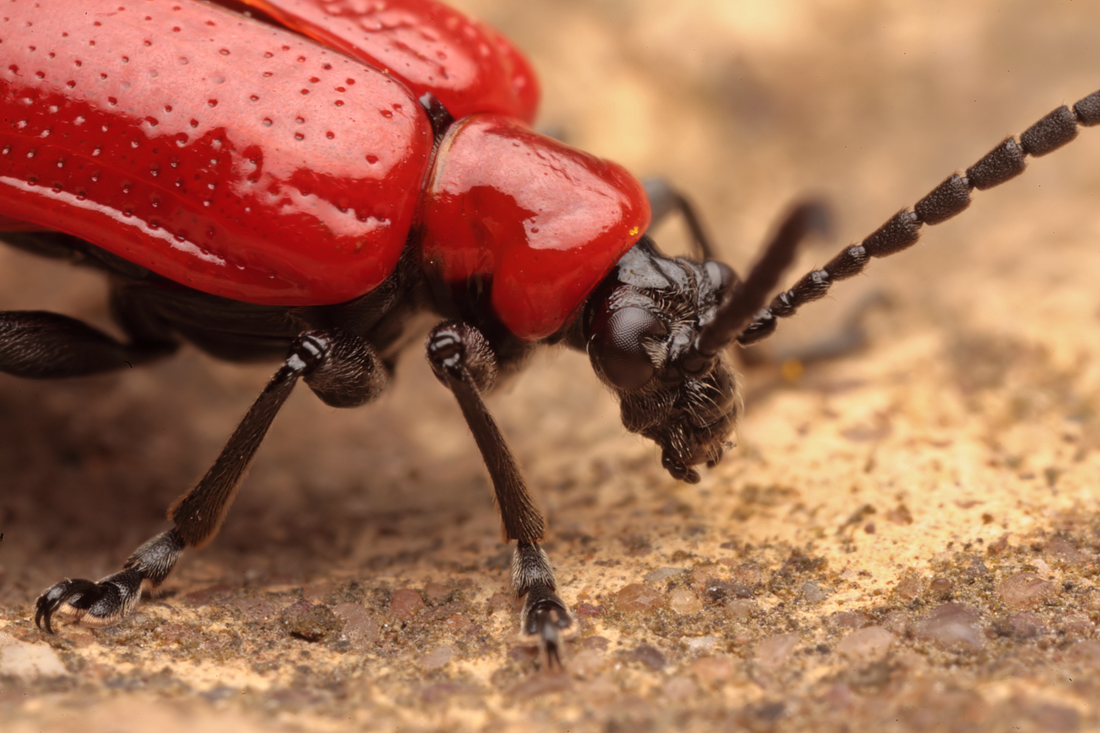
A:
(641, 329)
(657, 328)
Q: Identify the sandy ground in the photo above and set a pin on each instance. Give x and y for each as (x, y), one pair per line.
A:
(905, 539)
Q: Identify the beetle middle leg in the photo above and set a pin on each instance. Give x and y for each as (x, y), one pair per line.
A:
(464, 362)
(342, 369)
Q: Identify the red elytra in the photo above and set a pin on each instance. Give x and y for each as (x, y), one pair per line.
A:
(431, 47)
(244, 160)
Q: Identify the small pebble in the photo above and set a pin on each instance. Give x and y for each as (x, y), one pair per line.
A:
(1085, 653)
(839, 696)
(721, 590)
(684, 602)
(812, 592)
(458, 623)
(439, 657)
(588, 610)
(501, 602)
(910, 585)
(1024, 590)
(680, 689)
(746, 573)
(739, 608)
(701, 643)
(308, 621)
(647, 655)
(1026, 625)
(952, 626)
(774, 651)
(850, 620)
(1053, 718)
(525, 654)
(599, 643)
(975, 570)
(542, 683)
(638, 598)
(443, 691)
(359, 627)
(941, 586)
(1076, 623)
(866, 644)
(660, 575)
(712, 671)
(436, 592)
(406, 603)
(896, 622)
(1065, 553)
(585, 663)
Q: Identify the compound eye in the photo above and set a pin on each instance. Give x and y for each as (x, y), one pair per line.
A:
(618, 348)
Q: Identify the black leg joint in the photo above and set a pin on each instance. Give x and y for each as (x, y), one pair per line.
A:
(308, 351)
(457, 351)
(349, 374)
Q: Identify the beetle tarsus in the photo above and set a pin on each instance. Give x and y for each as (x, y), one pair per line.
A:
(89, 603)
(113, 598)
(544, 615)
(69, 598)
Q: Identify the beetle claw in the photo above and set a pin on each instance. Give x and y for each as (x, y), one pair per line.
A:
(89, 603)
(546, 617)
(68, 599)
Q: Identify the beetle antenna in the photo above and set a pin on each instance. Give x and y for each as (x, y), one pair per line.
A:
(750, 295)
(1004, 162)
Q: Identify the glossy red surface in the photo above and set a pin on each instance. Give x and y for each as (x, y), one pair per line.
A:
(230, 156)
(469, 66)
(542, 221)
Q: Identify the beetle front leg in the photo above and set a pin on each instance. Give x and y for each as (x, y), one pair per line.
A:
(342, 369)
(464, 362)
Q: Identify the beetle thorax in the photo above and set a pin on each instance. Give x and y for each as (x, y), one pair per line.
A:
(536, 222)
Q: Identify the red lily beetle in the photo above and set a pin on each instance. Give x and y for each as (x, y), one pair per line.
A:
(299, 184)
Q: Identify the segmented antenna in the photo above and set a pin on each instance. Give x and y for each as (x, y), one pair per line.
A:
(1004, 162)
(749, 295)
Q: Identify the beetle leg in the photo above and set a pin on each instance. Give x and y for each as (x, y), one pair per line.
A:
(464, 362)
(664, 199)
(44, 345)
(342, 369)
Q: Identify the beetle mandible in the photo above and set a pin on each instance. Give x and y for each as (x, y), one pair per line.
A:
(298, 185)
